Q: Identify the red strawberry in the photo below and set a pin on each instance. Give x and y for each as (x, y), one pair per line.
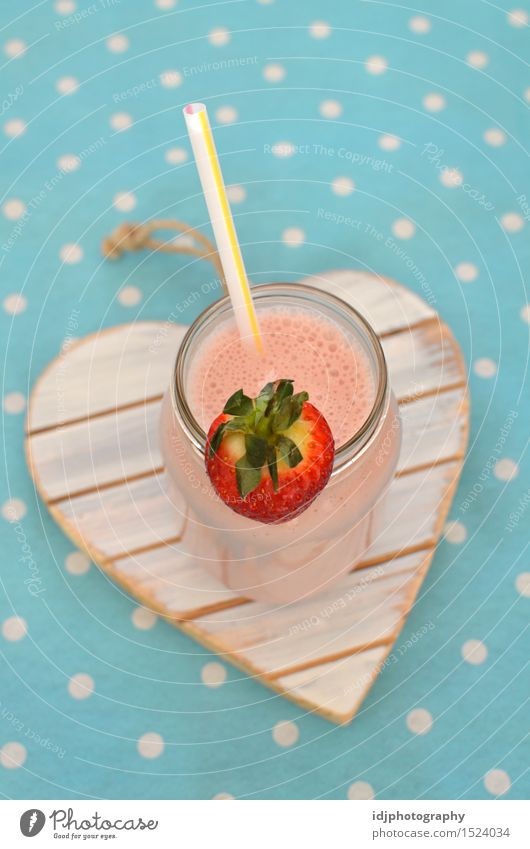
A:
(269, 457)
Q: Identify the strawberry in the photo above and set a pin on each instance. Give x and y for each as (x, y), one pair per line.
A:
(269, 457)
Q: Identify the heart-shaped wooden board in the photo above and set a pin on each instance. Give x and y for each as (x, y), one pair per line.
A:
(92, 449)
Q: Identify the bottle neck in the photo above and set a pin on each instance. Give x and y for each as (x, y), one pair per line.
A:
(271, 296)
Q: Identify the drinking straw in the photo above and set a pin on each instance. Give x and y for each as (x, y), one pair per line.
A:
(213, 186)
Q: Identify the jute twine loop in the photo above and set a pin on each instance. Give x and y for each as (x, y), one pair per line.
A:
(130, 236)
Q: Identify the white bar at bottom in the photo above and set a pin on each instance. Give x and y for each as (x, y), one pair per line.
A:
(266, 824)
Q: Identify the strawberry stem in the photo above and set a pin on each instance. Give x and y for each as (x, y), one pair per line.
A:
(263, 420)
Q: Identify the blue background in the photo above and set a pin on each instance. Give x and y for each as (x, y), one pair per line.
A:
(220, 740)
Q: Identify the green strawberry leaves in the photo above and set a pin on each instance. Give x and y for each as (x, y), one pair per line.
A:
(256, 448)
(239, 404)
(263, 421)
(247, 477)
(272, 466)
(289, 451)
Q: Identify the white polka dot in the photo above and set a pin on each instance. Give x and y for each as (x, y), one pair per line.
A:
(65, 7)
(77, 563)
(117, 43)
(274, 73)
(71, 254)
(226, 796)
(455, 532)
(121, 121)
(467, 272)
(15, 127)
(419, 721)
(13, 209)
(219, 37)
(485, 367)
(477, 59)
(342, 186)
(124, 201)
(171, 79)
(293, 237)
(129, 296)
(176, 155)
(420, 25)
(319, 29)
(81, 686)
(14, 628)
(283, 149)
(525, 313)
(376, 65)
(15, 304)
(165, 4)
(474, 652)
(495, 137)
(67, 85)
(14, 403)
(434, 102)
(512, 222)
(497, 782)
(13, 755)
(330, 109)
(403, 228)
(451, 178)
(285, 733)
(68, 162)
(143, 619)
(522, 584)
(236, 194)
(150, 745)
(14, 48)
(518, 18)
(526, 94)
(389, 142)
(213, 674)
(226, 114)
(506, 469)
(360, 790)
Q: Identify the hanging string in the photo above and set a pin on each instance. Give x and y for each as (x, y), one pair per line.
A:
(138, 237)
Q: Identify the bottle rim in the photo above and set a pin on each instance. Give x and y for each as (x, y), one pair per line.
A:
(345, 452)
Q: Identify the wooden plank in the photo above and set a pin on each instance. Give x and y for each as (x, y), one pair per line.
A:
(422, 360)
(338, 687)
(105, 371)
(433, 429)
(387, 305)
(127, 517)
(98, 451)
(364, 608)
(168, 578)
(410, 517)
(167, 575)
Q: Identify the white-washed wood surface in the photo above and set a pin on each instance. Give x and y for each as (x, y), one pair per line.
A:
(93, 451)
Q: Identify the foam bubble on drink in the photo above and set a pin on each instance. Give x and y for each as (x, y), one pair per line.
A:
(306, 347)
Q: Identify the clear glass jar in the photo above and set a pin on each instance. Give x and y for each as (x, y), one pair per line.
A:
(288, 561)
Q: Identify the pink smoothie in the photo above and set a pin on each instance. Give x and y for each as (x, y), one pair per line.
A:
(301, 345)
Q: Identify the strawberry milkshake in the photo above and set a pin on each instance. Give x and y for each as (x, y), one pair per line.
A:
(283, 456)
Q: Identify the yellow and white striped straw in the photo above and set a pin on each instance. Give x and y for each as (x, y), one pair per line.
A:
(213, 186)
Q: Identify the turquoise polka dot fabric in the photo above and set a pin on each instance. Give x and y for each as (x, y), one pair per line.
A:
(335, 123)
